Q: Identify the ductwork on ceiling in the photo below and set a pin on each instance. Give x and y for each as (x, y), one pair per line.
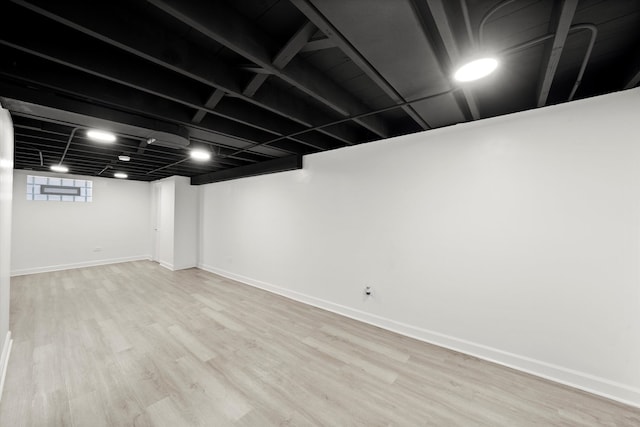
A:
(162, 134)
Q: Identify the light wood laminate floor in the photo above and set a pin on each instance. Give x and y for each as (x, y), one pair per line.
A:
(134, 344)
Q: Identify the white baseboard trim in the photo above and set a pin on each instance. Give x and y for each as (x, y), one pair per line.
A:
(176, 267)
(4, 360)
(599, 386)
(184, 267)
(93, 263)
(166, 265)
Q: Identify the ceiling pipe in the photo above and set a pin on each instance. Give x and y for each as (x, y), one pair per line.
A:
(73, 132)
(168, 166)
(585, 60)
(587, 55)
(589, 27)
(36, 149)
(488, 15)
(346, 119)
(104, 169)
(505, 52)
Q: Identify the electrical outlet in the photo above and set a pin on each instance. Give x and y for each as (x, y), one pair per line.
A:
(368, 291)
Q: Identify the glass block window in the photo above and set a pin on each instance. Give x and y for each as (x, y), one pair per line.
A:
(55, 189)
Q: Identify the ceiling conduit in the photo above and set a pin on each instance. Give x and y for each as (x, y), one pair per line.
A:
(574, 28)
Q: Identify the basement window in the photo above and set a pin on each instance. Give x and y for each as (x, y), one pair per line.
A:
(54, 189)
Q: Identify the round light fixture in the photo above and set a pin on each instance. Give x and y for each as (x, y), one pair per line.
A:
(100, 135)
(200, 154)
(59, 168)
(476, 69)
(124, 158)
(120, 175)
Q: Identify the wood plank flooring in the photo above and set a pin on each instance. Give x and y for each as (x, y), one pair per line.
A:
(134, 344)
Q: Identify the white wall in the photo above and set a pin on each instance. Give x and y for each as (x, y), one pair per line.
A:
(48, 236)
(176, 206)
(6, 188)
(516, 239)
(165, 202)
(186, 225)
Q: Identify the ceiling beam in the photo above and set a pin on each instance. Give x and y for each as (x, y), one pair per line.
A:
(282, 58)
(99, 110)
(210, 104)
(286, 54)
(337, 40)
(445, 43)
(254, 84)
(50, 126)
(560, 23)
(282, 164)
(320, 44)
(229, 28)
(294, 44)
(633, 78)
(185, 58)
(148, 156)
(141, 76)
(271, 95)
(105, 93)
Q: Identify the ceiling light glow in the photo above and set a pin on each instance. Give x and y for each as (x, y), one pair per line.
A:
(475, 70)
(120, 175)
(100, 135)
(59, 168)
(124, 158)
(200, 155)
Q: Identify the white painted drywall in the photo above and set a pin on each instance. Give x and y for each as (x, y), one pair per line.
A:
(48, 236)
(516, 238)
(6, 190)
(186, 224)
(165, 207)
(176, 206)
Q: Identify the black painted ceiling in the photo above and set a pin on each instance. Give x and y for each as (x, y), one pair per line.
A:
(257, 80)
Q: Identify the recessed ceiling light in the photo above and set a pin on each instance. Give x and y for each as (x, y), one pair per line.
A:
(120, 175)
(59, 168)
(475, 70)
(100, 135)
(200, 154)
(124, 158)
(151, 141)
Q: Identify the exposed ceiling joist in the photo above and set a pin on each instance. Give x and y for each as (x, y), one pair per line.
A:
(141, 77)
(633, 81)
(210, 104)
(439, 18)
(104, 113)
(319, 44)
(294, 45)
(282, 164)
(123, 99)
(251, 81)
(194, 62)
(562, 16)
(283, 57)
(633, 78)
(339, 41)
(229, 28)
